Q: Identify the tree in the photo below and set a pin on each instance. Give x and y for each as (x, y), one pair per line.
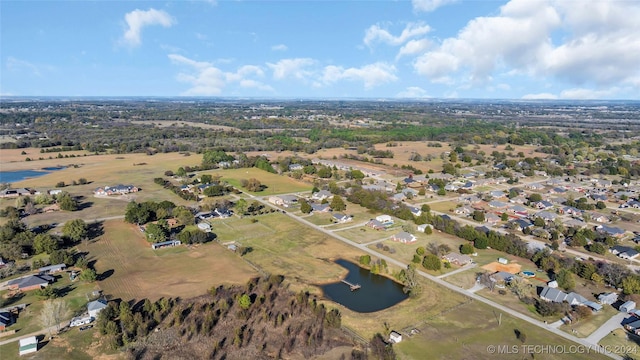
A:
(305, 207)
(244, 301)
(44, 243)
(53, 313)
(504, 216)
(601, 205)
(88, 275)
(155, 233)
(75, 229)
(535, 197)
(428, 230)
(67, 203)
(241, 206)
(481, 242)
(206, 179)
(565, 279)
(631, 285)
(466, 249)
(337, 204)
(478, 215)
(253, 185)
(432, 262)
(411, 281)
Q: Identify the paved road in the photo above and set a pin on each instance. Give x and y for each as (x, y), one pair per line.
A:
(389, 260)
(606, 328)
(52, 330)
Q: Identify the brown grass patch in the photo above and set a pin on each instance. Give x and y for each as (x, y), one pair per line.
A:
(496, 266)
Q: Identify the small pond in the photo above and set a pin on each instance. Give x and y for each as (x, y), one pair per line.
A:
(375, 293)
(15, 176)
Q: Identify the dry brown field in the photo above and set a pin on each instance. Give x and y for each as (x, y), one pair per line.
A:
(134, 271)
(169, 123)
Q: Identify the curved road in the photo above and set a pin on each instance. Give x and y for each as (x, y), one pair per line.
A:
(363, 247)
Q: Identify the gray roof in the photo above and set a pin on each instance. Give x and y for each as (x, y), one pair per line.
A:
(96, 305)
(593, 305)
(52, 267)
(553, 294)
(575, 298)
(32, 280)
(403, 235)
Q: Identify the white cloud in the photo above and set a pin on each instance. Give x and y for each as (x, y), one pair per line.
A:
(138, 19)
(298, 68)
(429, 5)
(375, 33)
(595, 44)
(413, 47)
(413, 92)
(540, 96)
(371, 75)
(206, 79)
(279, 47)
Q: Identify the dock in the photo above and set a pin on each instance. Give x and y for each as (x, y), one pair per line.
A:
(353, 287)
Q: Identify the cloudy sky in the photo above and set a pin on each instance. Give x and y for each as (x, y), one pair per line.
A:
(518, 49)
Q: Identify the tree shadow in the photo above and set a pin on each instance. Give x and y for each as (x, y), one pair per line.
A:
(105, 275)
(64, 291)
(84, 205)
(95, 229)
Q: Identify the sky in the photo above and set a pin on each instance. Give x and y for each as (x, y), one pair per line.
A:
(331, 49)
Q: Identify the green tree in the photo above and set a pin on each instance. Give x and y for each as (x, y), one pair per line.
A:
(155, 233)
(75, 229)
(565, 279)
(244, 301)
(44, 243)
(67, 203)
(535, 197)
(432, 262)
(305, 207)
(631, 285)
(337, 204)
(504, 216)
(478, 215)
(88, 275)
(466, 248)
(241, 206)
(206, 178)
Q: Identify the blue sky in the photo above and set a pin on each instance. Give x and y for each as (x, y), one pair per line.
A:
(518, 49)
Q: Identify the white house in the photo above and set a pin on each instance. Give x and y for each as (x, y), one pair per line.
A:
(386, 220)
(94, 307)
(81, 320)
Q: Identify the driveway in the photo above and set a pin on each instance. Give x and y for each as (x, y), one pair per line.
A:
(606, 328)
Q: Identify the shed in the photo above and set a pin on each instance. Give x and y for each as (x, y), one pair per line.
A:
(52, 268)
(628, 306)
(395, 337)
(204, 226)
(503, 261)
(28, 345)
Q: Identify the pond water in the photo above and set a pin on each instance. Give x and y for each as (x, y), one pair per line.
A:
(376, 292)
(15, 176)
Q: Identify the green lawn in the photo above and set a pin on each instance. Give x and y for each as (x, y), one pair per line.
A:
(275, 184)
(622, 343)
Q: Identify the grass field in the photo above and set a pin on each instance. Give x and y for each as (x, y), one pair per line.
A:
(468, 331)
(622, 343)
(275, 184)
(137, 272)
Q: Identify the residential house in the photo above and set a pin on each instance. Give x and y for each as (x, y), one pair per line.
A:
(610, 230)
(320, 208)
(547, 216)
(415, 211)
(115, 190)
(575, 299)
(284, 200)
(222, 213)
(542, 205)
(6, 319)
(375, 224)
(464, 210)
(80, 320)
(321, 195)
(608, 298)
(342, 218)
(458, 259)
(404, 237)
(398, 197)
(54, 191)
(633, 327)
(624, 252)
(492, 218)
(520, 224)
(597, 217)
(386, 220)
(31, 282)
(498, 204)
(95, 307)
(552, 294)
(497, 194)
(595, 307)
(295, 167)
(410, 193)
(164, 244)
(9, 193)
